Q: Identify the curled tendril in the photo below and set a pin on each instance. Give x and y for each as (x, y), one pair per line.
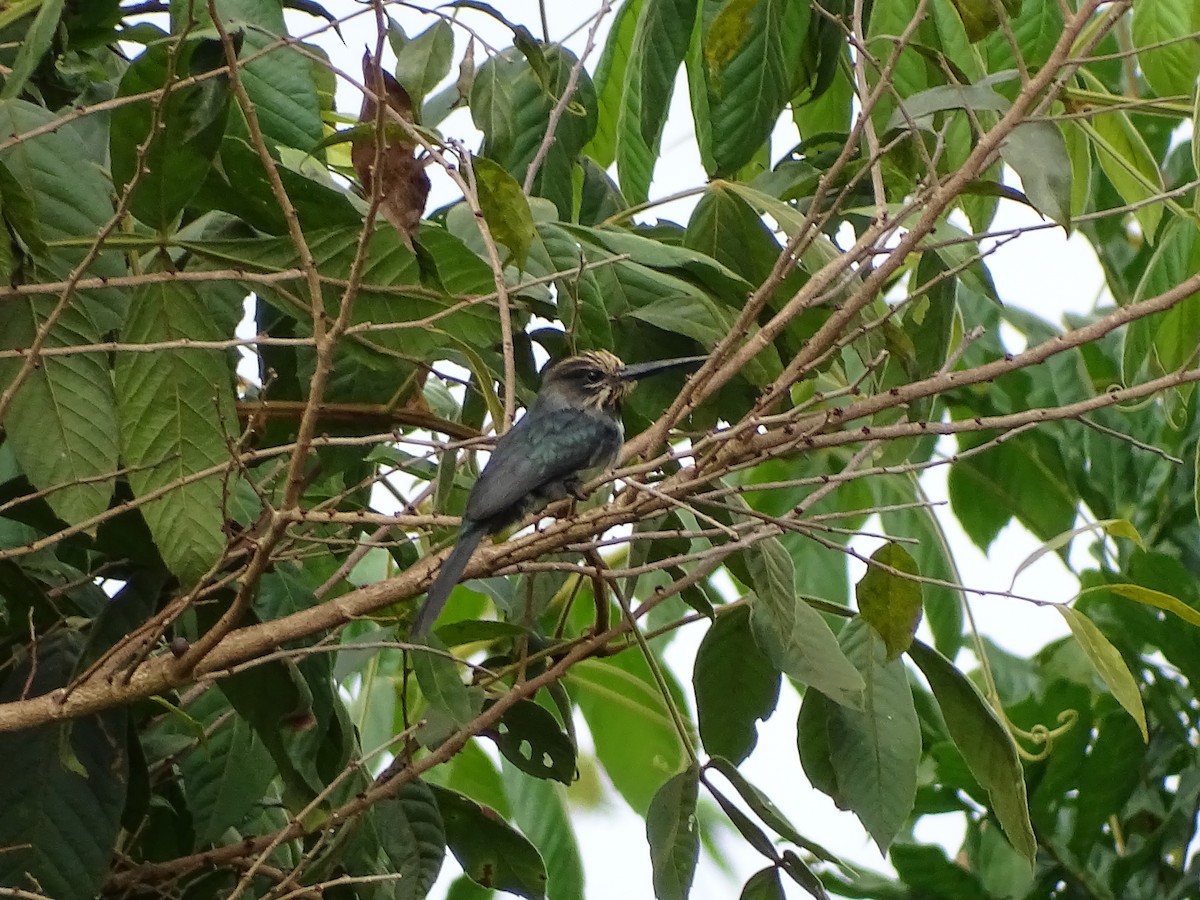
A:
(1041, 736)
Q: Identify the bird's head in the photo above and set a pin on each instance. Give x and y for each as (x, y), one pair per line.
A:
(598, 380)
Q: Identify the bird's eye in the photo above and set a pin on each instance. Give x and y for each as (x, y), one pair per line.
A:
(593, 376)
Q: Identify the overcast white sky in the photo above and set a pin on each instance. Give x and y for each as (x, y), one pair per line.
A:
(1043, 271)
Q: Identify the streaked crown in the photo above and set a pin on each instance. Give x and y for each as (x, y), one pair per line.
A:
(593, 379)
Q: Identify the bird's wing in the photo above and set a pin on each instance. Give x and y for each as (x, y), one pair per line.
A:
(539, 450)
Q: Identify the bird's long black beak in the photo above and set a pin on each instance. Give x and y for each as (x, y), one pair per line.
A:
(641, 370)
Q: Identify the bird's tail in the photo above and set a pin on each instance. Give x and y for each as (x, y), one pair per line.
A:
(449, 574)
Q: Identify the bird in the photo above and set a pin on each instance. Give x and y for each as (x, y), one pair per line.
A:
(573, 426)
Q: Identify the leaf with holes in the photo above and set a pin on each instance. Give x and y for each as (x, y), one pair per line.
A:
(529, 737)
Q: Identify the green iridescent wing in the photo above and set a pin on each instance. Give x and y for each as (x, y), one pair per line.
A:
(539, 450)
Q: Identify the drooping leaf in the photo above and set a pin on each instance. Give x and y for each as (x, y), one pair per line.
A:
(1109, 664)
(735, 686)
(791, 633)
(671, 830)
(1038, 153)
(491, 852)
(984, 742)
(875, 752)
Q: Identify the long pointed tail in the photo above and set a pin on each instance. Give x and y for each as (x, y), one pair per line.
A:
(468, 539)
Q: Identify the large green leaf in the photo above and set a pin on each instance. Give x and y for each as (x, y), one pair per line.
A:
(410, 832)
(184, 128)
(1037, 152)
(611, 82)
(635, 737)
(750, 52)
(227, 776)
(62, 421)
(512, 107)
(1169, 60)
(660, 40)
(875, 752)
(984, 742)
(177, 418)
(539, 808)
(66, 789)
(279, 78)
(735, 686)
(791, 633)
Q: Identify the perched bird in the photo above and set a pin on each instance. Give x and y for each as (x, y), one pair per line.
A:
(574, 425)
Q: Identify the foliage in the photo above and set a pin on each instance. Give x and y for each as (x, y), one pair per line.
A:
(211, 544)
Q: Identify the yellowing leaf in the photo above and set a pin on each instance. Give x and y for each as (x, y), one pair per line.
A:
(1109, 665)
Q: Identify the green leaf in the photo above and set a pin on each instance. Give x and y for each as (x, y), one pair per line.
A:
(1127, 161)
(505, 208)
(491, 852)
(671, 830)
(440, 677)
(1109, 664)
(612, 82)
(62, 423)
(889, 602)
(657, 47)
(512, 107)
(634, 734)
(766, 811)
(279, 78)
(735, 686)
(791, 633)
(411, 836)
(749, 55)
(875, 752)
(1022, 477)
(422, 62)
(540, 810)
(984, 742)
(1170, 64)
(33, 45)
(1149, 597)
(183, 142)
(763, 885)
(1037, 152)
(227, 777)
(63, 814)
(531, 739)
(177, 419)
